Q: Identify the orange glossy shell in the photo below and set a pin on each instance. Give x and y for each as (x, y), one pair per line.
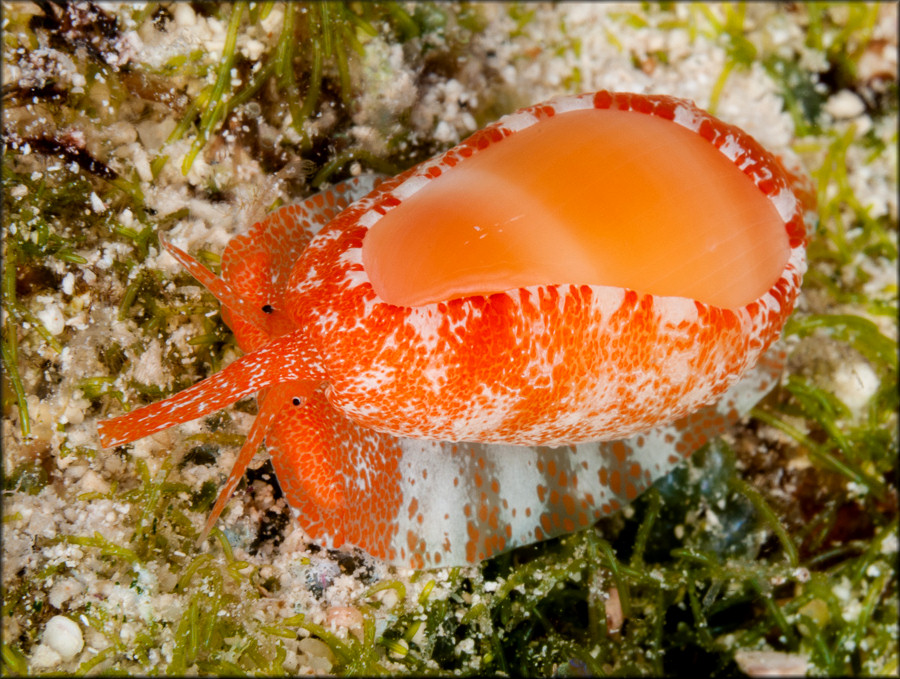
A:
(592, 196)
(544, 364)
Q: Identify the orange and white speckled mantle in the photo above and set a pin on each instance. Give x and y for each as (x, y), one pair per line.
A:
(447, 432)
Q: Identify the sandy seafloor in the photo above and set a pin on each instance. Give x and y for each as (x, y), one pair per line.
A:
(563, 48)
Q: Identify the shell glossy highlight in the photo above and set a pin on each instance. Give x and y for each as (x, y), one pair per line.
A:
(586, 197)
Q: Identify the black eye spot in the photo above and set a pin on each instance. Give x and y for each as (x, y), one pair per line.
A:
(295, 400)
(267, 308)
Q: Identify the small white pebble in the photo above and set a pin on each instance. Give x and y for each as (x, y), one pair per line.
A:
(388, 597)
(184, 14)
(92, 482)
(253, 49)
(344, 616)
(845, 104)
(97, 204)
(68, 283)
(64, 590)
(142, 164)
(771, 663)
(854, 384)
(801, 574)
(63, 635)
(318, 654)
(857, 489)
(466, 646)
(444, 133)
(44, 657)
(53, 319)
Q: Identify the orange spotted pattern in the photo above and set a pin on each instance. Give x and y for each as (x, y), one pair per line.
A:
(447, 433)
